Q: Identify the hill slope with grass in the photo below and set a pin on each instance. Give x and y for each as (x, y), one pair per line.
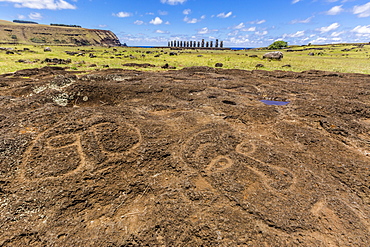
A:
(19, 33)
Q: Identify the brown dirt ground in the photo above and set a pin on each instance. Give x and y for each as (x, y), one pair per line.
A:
(184, 158)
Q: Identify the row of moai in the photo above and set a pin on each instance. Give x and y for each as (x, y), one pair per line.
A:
(196, 44)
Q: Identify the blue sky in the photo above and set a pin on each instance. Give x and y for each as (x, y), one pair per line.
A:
(239, 23)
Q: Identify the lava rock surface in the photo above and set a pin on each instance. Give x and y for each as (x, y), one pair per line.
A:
(184, 158)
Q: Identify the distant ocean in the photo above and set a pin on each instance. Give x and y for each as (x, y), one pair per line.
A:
(232, 48)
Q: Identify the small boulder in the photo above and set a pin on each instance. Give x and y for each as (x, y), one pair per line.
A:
(47, 49)
(253, 56)
(260, 65)
(311, 54)
(286, 66)
(219, 65)
(275, 55)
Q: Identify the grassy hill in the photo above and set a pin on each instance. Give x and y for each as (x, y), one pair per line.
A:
(17, 33)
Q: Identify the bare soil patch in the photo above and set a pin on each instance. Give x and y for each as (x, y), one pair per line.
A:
(184, 158)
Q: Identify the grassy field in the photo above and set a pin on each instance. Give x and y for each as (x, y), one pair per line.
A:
(347, 58)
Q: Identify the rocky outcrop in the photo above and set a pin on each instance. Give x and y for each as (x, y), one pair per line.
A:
(18, 33)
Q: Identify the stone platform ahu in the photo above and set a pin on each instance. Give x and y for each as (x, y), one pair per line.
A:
(196, 44)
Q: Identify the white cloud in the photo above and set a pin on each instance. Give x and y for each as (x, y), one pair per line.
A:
(335, 10)
(362, 10)
(156, 21)
(35, 16)
(258, 22)
(336, 34)
(191, 21)
(362, 29)
(308, 20)
(295, 35)
(167, 23)
(138, 22)
(102, 25)
(328, 28)
(123, 14)
(186, 11)
(162, 12)
(295, 1)
(319, 40)
(251, 29)
(223, 15)
(261, 33)
(41, 4)
(239, 40)
(173, 2)
(204, 30)
(161, 31)
(21, 17)
(240, 26)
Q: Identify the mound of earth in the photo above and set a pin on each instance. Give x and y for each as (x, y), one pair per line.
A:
(184, 158)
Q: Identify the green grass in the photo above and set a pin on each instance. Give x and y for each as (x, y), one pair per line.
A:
(333, 58)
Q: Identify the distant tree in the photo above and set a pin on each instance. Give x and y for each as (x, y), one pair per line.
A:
(278, 45)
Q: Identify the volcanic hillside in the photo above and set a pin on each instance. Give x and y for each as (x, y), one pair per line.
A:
(18, 33)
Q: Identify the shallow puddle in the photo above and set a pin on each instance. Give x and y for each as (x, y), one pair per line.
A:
(273, 102)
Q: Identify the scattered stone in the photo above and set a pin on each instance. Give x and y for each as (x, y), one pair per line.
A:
(92, 65)
(173, 54)
(141, 65)
(105, 66)
(166, 66)
(275, 55)
(286, 66)
(91, 55)
(158, 55)
(57, 61)
(47, 49)
(260, 65)
(253, 56)
(23, 61)
(200, 56)
(311, 54)
(9, 52)
(219, 65)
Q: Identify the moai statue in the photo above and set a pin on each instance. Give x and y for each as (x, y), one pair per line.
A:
(198, 44)
(194, 44)
(202, 42)
(187, 43)
(216, 45)
(221, 44)
(174, 43)
(181, 44)
(211, 44)
(207, 44)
